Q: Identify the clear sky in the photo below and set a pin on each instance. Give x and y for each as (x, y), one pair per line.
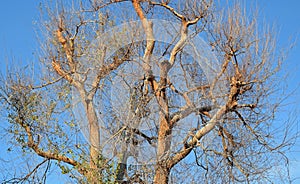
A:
(18, 39)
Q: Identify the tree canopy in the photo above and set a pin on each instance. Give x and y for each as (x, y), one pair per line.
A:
(149, 91)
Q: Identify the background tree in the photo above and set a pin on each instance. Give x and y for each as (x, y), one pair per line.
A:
(150, 96)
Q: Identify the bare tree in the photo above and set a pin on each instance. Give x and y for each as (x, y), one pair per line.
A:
(151, 110)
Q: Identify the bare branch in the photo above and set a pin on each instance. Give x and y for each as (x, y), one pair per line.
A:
(172, 10)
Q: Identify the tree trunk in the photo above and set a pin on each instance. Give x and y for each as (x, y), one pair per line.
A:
(163, 148)
(165, 129)
(94, 141)
(161, 175)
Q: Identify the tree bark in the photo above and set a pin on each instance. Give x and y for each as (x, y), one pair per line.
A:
(161, 175)
(165, 129)
(94, 135)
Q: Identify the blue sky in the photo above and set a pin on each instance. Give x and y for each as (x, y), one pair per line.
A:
(18, 39)
(17, 34)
